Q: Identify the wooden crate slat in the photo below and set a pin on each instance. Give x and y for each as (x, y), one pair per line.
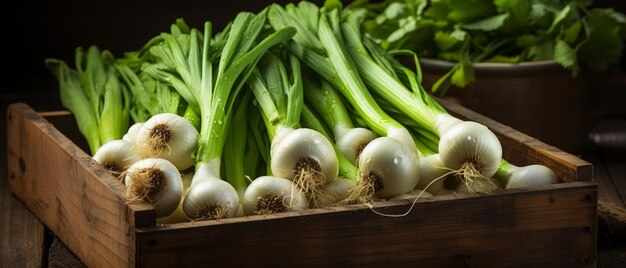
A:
(81, 203)
(506, 228)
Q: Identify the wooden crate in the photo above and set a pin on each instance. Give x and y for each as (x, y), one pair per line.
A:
(547, 226)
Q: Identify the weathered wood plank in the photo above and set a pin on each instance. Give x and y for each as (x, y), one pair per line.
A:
(612, 186)
(615, 164)
(59, 256)
(485, 231)
(22, 242)
(75, 198)
(611, 222)
(607, 191)
(521, 149)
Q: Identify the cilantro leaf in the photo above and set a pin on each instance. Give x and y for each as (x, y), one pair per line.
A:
(518, 10)
(571, 33)
(604, 45)
(561, 16)
(464, 74)
(543, 51)
(504, 59)
(564, 54)
(465, 11)
(445, 41)
(488, 24)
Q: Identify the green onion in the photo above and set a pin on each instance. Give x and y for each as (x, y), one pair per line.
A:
(319, 44)
(94, 95)
(302, 155)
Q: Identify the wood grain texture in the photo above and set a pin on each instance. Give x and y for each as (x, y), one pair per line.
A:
(552, 226)
(22, 242)
(607, 192)
(611, 221)
(59, 256)
(75, 198)
(521, 149)
(616, 168)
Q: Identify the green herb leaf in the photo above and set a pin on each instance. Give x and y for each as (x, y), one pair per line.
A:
(333, 4)
(526, 40)
(562, 15)
(445, 41)
(395, 11)
(465, 11)
(459, 34)
(571, 33)
(604, 46)
(544, 51)
(537, 11)
(438, 10)
(504, 59)
(518, 10)
(564, 54)
(465, 73)
(488, 24)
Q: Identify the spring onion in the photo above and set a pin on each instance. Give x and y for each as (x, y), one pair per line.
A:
(156, 181)
(532, 175)
(337, 191)
(178, 215)
(93, 93)
(350, 140)
(210, 78)
(392, 167)
(299, 154)
(116, 156)
(468, 147)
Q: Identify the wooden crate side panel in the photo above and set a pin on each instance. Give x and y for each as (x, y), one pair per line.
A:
(521, 149)
(551, 227)
(81, 203)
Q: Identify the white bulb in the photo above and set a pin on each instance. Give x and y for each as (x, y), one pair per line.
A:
(131, 135)
(156, 181)
(477, 186)
(336, 191)
(469, 142)
(352, 141)
(433, 175)
(532, 175)
(209, 197)
(394, 166)
(269, 194)
(178, 215)
(168, 136)
(116, 156)
(298, 145)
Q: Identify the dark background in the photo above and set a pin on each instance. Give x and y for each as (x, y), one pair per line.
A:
(33, 31)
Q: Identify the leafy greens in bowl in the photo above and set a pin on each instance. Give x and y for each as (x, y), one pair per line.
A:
(570, 32)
